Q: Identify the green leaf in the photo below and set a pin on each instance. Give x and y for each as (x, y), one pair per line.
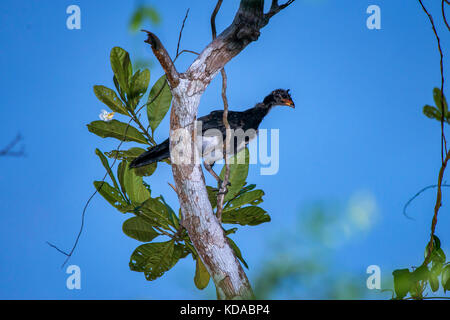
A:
(136, 19)
(107, 167)
(251, 216)
(134, 186)
(420, 274)
(238, 173)
(237, 251)
(437, 254)
(445, 278)
(120, 175)
(230, 231)
(402, 282)
(139, 85)
(141, 13)
(156, 211)
(247, 188)
(436, 242)
(434, 282)
(130, 155)
(172, 216)
(121, 66)
(116, 129)
(119, 90)
(152, 14)
(437, 96)
(431, 112)
(252, 197)
(110, 98)
(154, 259)
(112, 195)
(201, 278)
(139, 229)
(160, 103)
(436, 267)
(127, 155)
(146, 171)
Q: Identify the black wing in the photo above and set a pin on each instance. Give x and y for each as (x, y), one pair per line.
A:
(214, 120)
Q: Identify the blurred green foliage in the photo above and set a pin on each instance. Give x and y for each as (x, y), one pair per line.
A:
(144, 16)
(304, 263)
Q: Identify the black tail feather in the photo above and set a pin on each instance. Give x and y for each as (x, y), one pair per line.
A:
(157, 153)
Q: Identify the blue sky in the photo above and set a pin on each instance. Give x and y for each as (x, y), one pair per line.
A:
(357, 127)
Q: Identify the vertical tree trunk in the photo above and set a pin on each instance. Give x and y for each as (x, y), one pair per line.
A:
(204, 229)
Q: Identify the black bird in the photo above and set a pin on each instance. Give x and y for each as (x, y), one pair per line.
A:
(214, 133)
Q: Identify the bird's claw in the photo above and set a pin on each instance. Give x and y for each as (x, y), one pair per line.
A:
(223, 189)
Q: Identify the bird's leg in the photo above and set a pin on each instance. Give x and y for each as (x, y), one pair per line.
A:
(222, 189)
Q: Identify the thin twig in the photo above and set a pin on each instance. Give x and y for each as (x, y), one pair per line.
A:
(275, 8)
(437, 207)
(170, 235)
(443, 13)
(135, 118)
(418, 194)
(443, 141)
(213, 18)
(69, 255)
(6, 151)
(223, 188)
(179, 39)
(183, 51)
(173, 187)
(181, 32)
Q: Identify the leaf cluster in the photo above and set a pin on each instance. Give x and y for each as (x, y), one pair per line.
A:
(435, 112)
(425, 276)
(154, 222)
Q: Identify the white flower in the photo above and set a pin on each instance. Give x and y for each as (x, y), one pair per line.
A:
(106, 116)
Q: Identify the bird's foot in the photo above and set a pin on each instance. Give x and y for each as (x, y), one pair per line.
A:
(223, 189)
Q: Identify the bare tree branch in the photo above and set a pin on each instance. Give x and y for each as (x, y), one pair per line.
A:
(164, 59)
(244, 29)
(275, 8)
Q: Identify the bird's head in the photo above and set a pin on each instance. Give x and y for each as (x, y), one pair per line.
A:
(279, 97)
